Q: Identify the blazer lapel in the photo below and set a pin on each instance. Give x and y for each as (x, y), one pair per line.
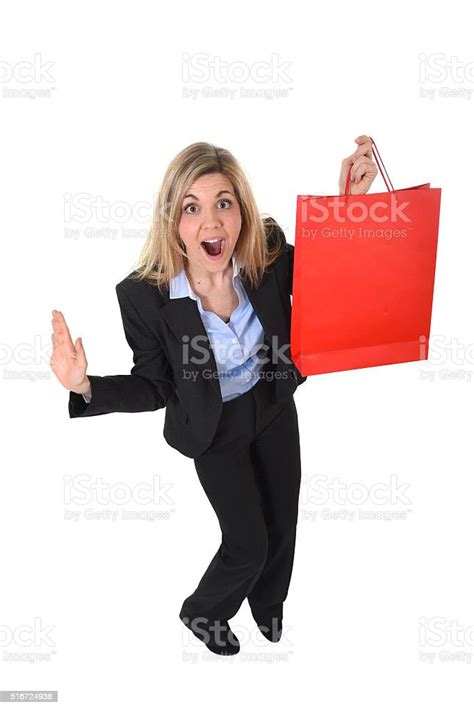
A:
(183, 318)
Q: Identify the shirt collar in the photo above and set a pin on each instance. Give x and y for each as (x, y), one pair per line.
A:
(180, 286)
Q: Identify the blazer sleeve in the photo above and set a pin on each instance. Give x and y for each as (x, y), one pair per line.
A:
(150, 383)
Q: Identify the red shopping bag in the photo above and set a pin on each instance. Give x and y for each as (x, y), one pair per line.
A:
(363, 277)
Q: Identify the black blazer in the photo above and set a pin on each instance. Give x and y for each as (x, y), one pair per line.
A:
(154, 326)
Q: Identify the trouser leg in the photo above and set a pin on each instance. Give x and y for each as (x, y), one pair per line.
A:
(276, 456)
(226, 472)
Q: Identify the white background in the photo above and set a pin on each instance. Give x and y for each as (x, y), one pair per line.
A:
(370, 600)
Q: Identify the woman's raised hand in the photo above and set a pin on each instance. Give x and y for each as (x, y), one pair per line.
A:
(362, 167)
(68, 360)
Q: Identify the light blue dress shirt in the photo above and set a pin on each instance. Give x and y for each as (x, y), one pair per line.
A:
(237, 345)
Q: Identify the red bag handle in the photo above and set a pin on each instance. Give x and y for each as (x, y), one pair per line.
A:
(376, 151)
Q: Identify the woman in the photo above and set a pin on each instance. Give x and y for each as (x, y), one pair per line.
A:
(207, 315)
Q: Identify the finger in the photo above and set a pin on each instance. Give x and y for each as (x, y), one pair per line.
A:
(357, 155)
(346, 165)
(59, 353)
(364, 149)
(362, 160)
(56, 350)
(347, 161)
(355, 167)
(62, 331)
(367, 168)
(54, 353)
(79, 347)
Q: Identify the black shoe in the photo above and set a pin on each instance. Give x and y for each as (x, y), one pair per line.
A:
(269, 621)
(216, 634)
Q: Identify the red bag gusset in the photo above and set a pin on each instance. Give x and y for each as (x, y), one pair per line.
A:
(363, 277)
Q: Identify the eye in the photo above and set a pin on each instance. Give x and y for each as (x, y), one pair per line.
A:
(225, 200)
(192, 204)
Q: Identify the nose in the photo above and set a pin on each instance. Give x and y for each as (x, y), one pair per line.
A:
(210, 218)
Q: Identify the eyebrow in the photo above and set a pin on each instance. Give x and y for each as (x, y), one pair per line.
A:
(196, 198)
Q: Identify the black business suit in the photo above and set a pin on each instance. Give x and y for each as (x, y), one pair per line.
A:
(154, 325)
(246, 450)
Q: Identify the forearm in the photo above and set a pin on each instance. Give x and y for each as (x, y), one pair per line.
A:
(120, 393)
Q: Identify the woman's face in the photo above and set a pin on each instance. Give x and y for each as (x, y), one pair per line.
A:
(210, 211)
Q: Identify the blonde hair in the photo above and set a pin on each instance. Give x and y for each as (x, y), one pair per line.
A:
(162, 256)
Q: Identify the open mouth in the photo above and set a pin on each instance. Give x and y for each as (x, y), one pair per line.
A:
(213, 247)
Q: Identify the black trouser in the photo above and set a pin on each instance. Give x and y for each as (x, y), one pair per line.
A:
(251, 474)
